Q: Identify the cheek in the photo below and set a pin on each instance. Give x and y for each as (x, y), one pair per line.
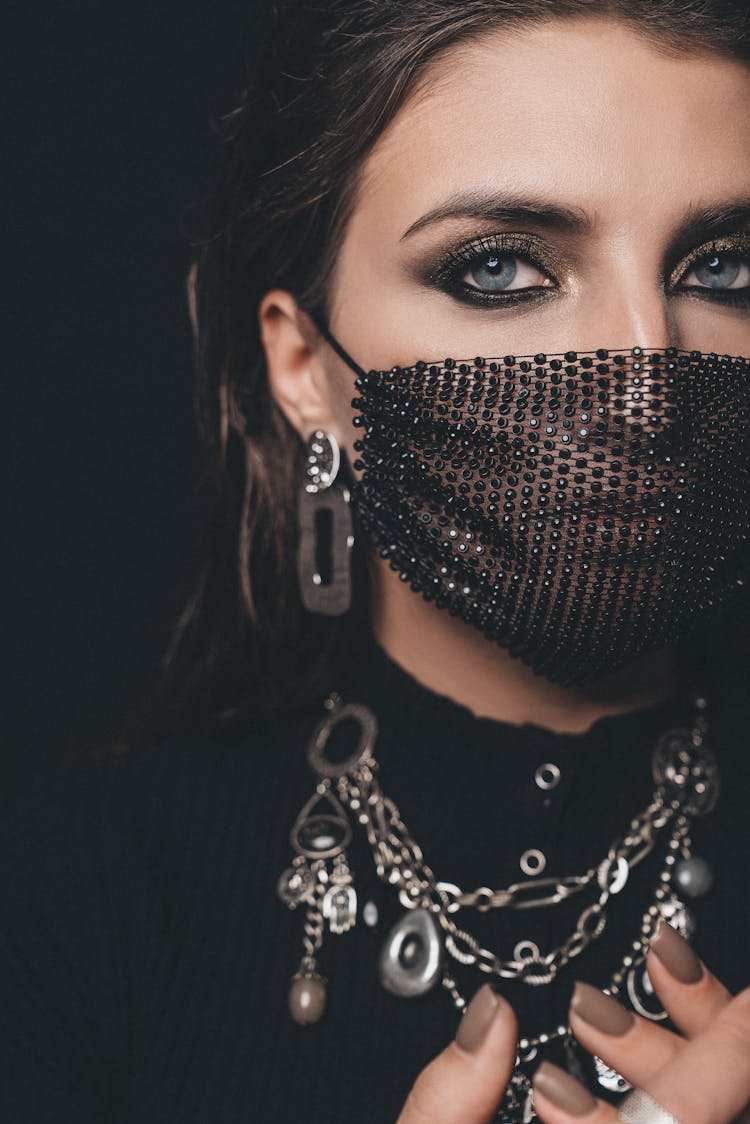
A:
(709, 327)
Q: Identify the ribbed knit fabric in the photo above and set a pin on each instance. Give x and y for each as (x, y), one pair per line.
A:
(145, 956)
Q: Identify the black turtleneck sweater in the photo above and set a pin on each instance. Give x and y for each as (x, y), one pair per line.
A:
(145, 956)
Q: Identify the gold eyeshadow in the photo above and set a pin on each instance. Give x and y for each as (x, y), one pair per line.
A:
(445, 268)
(735, 245)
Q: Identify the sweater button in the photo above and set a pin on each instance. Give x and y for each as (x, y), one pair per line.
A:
(533, 861)
(547, 776)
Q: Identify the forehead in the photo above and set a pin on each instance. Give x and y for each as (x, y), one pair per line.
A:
(585, 110)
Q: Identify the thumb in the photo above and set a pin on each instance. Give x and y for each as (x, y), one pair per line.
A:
(465, 1083)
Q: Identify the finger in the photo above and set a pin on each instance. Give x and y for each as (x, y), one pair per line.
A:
(709, 1080)
(467, 1080)
(634, 1046)
(690, 994)
(560, 1099)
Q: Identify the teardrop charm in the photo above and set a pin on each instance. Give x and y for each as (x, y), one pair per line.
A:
(323, 835)
(411, 959)
(307, 998)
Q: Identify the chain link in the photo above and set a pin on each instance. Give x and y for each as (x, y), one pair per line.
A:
(400, 861)
(314, 923)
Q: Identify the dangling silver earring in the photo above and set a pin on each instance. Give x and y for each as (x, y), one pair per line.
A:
(325, 530)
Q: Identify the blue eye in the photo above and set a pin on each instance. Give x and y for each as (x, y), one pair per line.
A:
(496, 269)
(720, 271)
(495, 273)
(499, 273)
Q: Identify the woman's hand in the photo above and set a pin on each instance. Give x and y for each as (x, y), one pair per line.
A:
(467, 1080)
(701, 1076)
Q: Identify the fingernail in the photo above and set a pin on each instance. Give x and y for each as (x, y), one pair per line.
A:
(676, 954)
(563, 1090)
(477, 1018)
(600, 1010)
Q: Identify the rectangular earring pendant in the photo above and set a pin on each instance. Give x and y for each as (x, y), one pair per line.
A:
(325, 542)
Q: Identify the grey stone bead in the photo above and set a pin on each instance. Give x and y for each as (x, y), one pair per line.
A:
(307, 998)
(370, 914)
(694, 877)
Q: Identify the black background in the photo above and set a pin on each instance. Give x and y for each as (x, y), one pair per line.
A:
(108, 140)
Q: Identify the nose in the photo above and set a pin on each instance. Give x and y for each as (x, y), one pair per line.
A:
(632, 312)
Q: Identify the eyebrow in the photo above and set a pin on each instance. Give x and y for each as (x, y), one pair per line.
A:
(505, 208)
(718, 218)
(554, 216)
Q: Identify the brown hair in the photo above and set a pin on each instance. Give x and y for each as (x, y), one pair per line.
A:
(323, 80)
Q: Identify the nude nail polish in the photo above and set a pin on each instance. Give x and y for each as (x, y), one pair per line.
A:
(676, 954)
(563, 1090)
(599, 1010)
(477, 1019)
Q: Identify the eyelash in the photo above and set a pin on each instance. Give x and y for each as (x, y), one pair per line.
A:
(450, 269)
(454, 263)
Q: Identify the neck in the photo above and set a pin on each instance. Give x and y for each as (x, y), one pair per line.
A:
(455, 659)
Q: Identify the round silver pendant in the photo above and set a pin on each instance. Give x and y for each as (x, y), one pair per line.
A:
(295, 885)
(411, 959)
(687, 772)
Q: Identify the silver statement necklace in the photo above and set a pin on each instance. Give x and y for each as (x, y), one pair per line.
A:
(418, 952)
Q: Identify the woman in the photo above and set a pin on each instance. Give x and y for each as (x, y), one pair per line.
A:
(493, 570)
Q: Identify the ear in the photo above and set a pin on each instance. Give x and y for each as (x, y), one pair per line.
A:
(296, 373)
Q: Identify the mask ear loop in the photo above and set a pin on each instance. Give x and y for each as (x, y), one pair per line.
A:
(328, 336)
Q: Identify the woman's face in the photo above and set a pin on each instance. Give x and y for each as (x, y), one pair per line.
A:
(563, 187)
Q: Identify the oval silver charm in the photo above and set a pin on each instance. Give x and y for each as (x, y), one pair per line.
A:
(362, 752)
(411, 959)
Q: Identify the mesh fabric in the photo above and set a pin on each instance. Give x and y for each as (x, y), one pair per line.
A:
(578, 508)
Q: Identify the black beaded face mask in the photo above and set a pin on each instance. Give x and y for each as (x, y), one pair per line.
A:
(579, 509)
